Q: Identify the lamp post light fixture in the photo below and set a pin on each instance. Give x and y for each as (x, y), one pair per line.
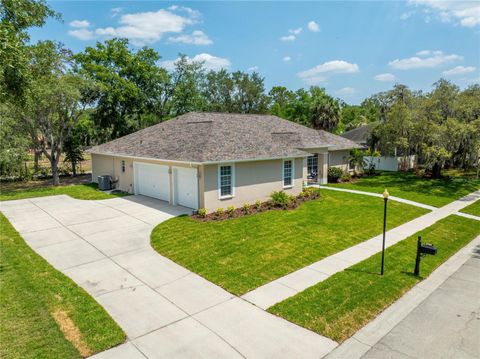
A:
(385, 200)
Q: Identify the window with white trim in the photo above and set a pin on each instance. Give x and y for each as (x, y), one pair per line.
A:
(288, 173)
(225, 176)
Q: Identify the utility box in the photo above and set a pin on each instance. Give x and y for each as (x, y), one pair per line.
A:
(105, 183)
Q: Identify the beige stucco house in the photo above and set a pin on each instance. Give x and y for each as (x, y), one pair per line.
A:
(212, 160)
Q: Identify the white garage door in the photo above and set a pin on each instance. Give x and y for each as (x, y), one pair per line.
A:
(152, 181)
(186, 186)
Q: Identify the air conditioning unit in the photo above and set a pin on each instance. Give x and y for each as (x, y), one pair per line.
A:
(105, 183)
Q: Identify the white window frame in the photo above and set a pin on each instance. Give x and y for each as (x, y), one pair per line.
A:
(292, 174)
(220, 165)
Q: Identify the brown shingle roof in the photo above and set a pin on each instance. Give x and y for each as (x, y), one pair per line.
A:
(360, 134)
(217, 137)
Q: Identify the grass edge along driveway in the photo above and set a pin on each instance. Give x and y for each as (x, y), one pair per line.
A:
(244, 253)
(343, 303)
(434, 192)
(473, 209)
(79, 191)
(44, 314)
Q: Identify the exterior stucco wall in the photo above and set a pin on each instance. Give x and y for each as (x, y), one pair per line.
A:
(253, 181)
(112, 165)
(339, 159)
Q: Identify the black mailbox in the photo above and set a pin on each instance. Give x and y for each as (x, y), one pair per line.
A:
(428, 249)
(422, 250)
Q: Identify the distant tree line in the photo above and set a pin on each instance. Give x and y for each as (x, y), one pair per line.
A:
(54, 102)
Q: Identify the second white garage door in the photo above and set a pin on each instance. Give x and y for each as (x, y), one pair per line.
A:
(186, 186)
(152, 180)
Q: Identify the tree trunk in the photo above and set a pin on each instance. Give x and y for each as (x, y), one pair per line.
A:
(74, 169)
(55, 176)
(436, 171)
(37, 154)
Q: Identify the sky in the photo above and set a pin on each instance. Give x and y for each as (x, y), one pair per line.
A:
(351, 48)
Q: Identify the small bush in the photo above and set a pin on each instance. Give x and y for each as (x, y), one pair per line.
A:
(258, 204)
(334, 174)
(280, 199)
(230, 210)
(219, 212)
(202, 212)
(246, 208)
(346, 177)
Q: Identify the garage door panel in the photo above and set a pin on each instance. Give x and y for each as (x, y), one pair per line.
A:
(152, 181)
(186, 187)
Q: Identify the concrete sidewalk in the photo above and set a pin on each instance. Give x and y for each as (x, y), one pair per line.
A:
(166, 310)
(438, 318)
(296, 282)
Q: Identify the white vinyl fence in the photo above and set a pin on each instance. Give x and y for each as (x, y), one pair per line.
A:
(390, 163)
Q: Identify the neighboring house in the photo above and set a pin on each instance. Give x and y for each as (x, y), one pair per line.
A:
(363, 136)
(213, 160)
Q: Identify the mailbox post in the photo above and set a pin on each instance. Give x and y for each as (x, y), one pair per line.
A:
(385, 200)
(423, 250)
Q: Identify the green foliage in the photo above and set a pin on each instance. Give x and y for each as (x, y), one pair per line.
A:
(230, 210)
(346, 177)
(219, 212)
(258, 204)
(334, 174)
(246, 208)
(280, 199)
(202, 212)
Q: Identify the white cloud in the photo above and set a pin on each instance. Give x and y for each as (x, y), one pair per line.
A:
(79, 23)
(424, 59)
(459, 70)
(466, 13)
(82, 34)
(288, 38)
(346, 91)
(195, 38)
(295, 31)
(252, 69)
(387, 77)
(149, 27)
(321, 72)
(313, 26)
(115, 11)
(287, 59)
(210, 62)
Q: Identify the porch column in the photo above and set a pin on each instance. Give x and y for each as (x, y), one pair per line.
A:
(322, 168)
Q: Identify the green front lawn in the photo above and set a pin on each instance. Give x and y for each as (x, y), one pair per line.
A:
(345, 302)
(36, 301)
(474, 209)
(434, 192)
(81, 191)
(243, 253)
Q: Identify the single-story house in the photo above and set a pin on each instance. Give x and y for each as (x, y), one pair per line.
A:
(212, 160)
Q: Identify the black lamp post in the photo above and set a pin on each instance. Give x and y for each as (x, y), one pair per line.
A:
(385, 200)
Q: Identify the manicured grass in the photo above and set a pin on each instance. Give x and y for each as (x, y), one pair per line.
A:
(342, 304)
(33, 294)
(474, 209)
(434, 192)
(82, 191)
(243, 253)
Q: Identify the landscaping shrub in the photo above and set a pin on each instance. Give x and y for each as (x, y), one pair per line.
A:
(334, 174)
(219, 212)
(202, 212)
(258, 204)
(246, 208)
(230, 210)
(280, 199)
(346, 177)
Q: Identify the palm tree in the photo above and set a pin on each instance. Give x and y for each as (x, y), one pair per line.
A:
(324, 109)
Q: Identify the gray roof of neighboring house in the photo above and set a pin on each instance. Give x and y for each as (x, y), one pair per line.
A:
(360, 134)
(217, 137)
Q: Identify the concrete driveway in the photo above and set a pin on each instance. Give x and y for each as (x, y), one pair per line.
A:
(166, 310)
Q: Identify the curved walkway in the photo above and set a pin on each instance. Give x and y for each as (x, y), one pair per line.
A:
(166, 310)
(296, 282)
